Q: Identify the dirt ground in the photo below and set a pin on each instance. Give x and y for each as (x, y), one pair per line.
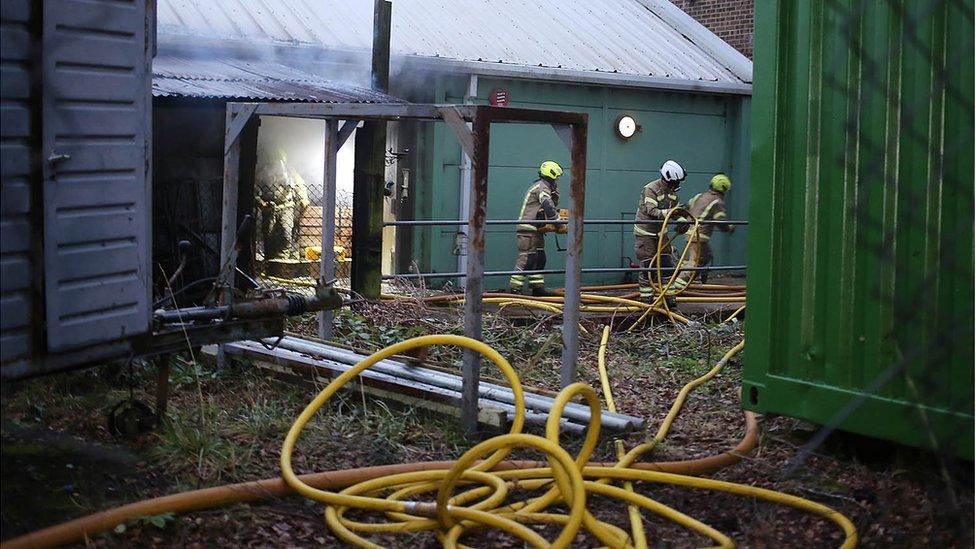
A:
(59, 460)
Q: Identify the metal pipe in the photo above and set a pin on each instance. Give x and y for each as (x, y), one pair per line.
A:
(382, 29)
(464, 191)
(490, 390)
(282, 354)
(574, 411)
(561, 271)
(448, 223)
(291, 304)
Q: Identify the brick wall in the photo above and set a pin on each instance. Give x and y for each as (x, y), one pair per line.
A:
(731, 20)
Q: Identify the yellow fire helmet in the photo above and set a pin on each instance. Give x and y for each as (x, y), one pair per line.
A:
(721, 183)
(550, 170)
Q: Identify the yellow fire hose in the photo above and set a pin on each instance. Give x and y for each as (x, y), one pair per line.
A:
(487, 483)
(636, 522)
(481, 504)
(555, 304)
(679, 401)
(735, 314)
(661, 289)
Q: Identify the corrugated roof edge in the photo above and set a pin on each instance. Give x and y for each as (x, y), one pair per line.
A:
(484, 68)
(190, 42)
(719, 49)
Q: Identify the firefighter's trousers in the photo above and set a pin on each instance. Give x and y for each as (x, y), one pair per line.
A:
(531, 257)
(645, 247)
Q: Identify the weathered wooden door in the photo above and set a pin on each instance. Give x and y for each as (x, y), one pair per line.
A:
(97, 210)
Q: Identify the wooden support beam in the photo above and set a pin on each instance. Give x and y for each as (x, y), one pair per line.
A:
(461, 130)
(327, 258)
(241, 116)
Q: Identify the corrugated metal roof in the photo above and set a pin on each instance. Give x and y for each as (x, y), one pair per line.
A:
(642, 38)
(175, 75)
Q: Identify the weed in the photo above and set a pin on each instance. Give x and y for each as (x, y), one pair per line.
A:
(689, 366)
(184, 444)
(159, 521)
(260, 417)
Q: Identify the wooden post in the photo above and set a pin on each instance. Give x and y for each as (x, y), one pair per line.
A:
(228, 223)
(370, 171)
(327, 259)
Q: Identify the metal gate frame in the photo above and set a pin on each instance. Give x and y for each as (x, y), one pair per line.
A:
(571, 127)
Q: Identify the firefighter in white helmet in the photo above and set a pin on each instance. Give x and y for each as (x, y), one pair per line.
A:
(706, 206)
(540, 203)
(656, 199)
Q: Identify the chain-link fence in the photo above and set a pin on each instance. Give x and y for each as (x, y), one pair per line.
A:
(288, 228)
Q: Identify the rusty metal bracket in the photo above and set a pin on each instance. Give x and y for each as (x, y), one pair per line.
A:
(454, 121)
(236, 126)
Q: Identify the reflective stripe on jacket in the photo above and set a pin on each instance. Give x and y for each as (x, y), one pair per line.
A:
(540, 203)
(708, 206)
(655, 200)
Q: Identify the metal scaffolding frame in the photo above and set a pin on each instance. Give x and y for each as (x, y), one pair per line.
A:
(570, 127)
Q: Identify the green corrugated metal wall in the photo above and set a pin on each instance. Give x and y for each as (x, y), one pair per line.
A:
(861, 251)
(704, 133)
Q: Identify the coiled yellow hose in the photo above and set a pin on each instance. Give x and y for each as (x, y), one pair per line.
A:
(485, 501)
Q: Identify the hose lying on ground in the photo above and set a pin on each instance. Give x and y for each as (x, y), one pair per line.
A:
(633, 512)
(555, 304)
(487, 482)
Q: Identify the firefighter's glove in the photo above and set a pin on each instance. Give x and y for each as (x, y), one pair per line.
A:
(563, 228)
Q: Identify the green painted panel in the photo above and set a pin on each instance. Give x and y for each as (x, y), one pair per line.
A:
(665, 136)
(661, 101)
(705, 133)
(861, 213)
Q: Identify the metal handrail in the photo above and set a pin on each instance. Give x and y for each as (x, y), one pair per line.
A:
(664, 270)
(434, 223)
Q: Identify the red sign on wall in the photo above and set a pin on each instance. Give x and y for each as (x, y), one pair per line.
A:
(498, 97)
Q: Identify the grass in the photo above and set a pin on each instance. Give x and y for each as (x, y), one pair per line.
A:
(234, 433)
(184, 445)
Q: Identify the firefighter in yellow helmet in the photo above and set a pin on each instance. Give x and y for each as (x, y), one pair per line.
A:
(706, 206)
(657, 198)
(540, 203)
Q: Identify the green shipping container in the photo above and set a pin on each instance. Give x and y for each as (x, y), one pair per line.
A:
(861, 219)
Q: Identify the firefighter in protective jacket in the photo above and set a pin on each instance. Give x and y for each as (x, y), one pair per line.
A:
(657, 198)
(706, 206)
(281, 198)
(540, 204)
